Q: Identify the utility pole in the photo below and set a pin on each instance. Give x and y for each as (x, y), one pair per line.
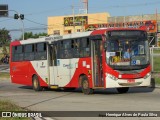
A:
(82, 23)
(156, 38)
(73, 18)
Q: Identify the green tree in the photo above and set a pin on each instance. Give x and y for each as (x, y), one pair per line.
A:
(28, 35)
(5, 38)
(4, 50)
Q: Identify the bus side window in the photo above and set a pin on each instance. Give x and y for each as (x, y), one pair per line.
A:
(13, 53)
(29, 52)
(85, 47)
(67, 49)
(75, 48)
(17, 53)
(41, 51)
(58, 50)
(61, 51)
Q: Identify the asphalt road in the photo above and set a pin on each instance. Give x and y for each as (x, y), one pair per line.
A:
(137, 99)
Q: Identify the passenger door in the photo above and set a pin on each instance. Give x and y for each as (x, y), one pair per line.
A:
(96, 46)
(62, 66)
(53, 64)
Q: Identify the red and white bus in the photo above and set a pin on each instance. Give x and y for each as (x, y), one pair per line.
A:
(91, 60)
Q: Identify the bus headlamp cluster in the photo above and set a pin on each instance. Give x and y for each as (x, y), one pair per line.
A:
(148, 74)
(112, 77)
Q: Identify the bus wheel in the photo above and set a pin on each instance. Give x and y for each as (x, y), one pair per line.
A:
(85, 86)
(123, 90)
(36, 84)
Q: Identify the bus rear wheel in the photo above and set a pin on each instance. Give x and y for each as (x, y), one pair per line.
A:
(36, 84)
(122, 90)
(85, 86)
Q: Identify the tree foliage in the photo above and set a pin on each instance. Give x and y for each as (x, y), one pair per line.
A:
(28, 35)
(5, 38)
(4, 50)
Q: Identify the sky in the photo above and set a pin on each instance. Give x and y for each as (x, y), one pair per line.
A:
(36, 12)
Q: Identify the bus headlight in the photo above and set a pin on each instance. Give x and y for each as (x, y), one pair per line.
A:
(112, 77)
(148, 74)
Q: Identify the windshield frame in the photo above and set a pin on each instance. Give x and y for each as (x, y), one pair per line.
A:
(130, 66)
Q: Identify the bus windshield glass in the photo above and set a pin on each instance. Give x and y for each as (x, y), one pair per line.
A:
(127, 53)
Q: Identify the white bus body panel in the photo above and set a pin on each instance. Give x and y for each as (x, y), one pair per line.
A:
(41, 67)
(62, 74)
(63, 69)
(110, 83)
(74, 64)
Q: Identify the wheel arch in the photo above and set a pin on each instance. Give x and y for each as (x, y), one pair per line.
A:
(80, 80)
(33, 76)
(41, 81)
(36, 83)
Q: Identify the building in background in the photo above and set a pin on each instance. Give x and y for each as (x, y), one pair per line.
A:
(151, 23)
(61, 25)
(146, 17)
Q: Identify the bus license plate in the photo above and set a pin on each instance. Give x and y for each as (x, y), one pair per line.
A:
(131, 81)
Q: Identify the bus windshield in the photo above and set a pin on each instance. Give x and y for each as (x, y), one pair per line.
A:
(127, 53)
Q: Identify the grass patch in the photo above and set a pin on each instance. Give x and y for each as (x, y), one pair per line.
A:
(156, 50)
(4, 75)
(157, 81)
(156, 77)
(156, 63)
(1, 55)
(8, 106)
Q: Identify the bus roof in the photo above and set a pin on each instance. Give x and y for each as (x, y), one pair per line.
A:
(52, 38)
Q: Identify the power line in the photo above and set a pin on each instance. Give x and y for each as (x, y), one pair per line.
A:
(35, 22)
(44, 24)
(28, 29)
(129, 5)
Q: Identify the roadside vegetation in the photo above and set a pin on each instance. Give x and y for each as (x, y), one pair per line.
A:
(8, 106)
(4, 75)
(156, 77)
(157, 81)
(156, 59)
(4, 51)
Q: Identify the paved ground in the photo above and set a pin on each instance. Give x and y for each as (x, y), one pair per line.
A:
(138, 99)
(4, 68)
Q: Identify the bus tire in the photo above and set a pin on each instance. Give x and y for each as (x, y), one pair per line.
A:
(122, 90)
(36, 83)
(85, 86)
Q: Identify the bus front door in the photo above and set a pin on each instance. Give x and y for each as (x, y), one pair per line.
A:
(59, 68)
(97, 63)
(52, 66)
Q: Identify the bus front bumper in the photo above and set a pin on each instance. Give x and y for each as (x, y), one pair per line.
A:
(113, 82)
